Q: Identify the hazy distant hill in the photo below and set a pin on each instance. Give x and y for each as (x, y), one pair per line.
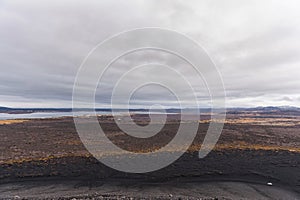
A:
(4, 108)
(280, 110)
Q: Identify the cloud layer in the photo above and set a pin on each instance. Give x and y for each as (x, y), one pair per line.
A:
(254, 44)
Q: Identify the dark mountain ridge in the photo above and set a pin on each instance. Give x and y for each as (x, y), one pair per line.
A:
(260, 109)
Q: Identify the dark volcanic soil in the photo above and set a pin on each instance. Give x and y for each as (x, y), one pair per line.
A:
(246, 152)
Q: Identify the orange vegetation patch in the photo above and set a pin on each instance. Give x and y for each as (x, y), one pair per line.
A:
(257, 147)
(50, 157)
(260, 121)
(193, 148)
(12, 121)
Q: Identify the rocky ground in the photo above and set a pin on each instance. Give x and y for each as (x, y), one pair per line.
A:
(46, 155)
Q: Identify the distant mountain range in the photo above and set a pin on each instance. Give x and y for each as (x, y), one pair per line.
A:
(32, 110)
(35, 110)
(261, 110)
(279, 110)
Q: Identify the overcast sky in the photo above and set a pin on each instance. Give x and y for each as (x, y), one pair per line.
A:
(254, 44)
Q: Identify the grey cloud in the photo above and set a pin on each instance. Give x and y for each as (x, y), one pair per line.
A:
(286, 98)
(254, 44)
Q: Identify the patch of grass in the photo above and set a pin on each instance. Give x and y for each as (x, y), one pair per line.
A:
(12, 121)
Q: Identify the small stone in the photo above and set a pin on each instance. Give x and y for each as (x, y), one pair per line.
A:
(269, 184)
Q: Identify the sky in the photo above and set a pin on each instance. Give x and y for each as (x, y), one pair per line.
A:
(255, 45)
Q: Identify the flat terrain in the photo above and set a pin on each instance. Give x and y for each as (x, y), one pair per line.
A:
(47, 155)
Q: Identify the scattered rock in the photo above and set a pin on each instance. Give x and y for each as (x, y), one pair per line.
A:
(269, 184)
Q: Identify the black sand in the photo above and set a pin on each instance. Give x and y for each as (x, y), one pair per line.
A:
(45, 159)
